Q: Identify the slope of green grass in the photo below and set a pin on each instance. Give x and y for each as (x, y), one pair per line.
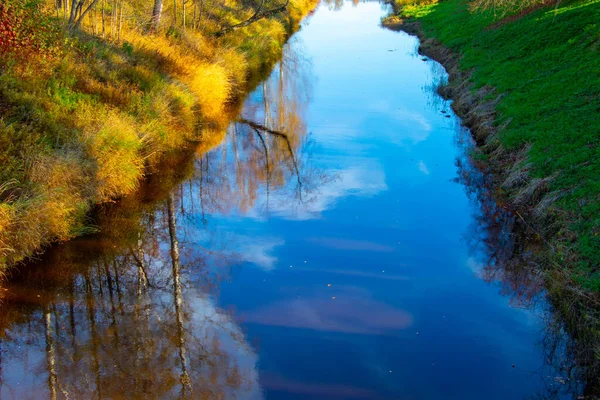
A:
(546, 64)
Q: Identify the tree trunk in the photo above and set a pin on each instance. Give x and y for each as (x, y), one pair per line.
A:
(82, 14)
(74, 6)
(120, 21)
(113, 19)
(103, 18)
(183, 16)
(93, 17)
(90, 304)
(194, 16)
(174, 12)
(200, 13)
(156, 14)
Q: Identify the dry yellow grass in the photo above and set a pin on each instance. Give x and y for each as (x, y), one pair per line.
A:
(113, 143)
(106, 109)
(210, 137)
(210, 84)
(5, 220)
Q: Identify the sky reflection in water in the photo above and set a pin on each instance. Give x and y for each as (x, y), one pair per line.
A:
(323, 250)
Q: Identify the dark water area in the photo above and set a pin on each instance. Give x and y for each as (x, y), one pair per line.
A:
(337, 244)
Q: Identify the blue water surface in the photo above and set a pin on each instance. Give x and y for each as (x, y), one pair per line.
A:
(332, 246)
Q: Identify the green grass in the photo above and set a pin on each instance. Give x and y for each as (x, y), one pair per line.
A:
(547, 66)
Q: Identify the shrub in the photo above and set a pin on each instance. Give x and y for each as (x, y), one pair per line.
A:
(26, 30)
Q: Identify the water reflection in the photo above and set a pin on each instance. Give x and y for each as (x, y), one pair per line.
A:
(506, 248)
(502, 248)
(134, 321)
(131, 313)
(353, 311)
(325, 249)
(264, 164)
(124, 328)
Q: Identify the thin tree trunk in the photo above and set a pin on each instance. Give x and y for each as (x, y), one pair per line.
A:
(103, 18)
(194, 16)
(1, 369)
(82, 14)
(74, 5)
(113, 20)
(183, 16)
(174, 12)
(156, 14)
(200, 14)
(90, 304)
(94, 22)
(73, 330)
(113, 309)
(120, 21)
(265, 141)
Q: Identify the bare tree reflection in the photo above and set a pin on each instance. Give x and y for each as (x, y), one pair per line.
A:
(50, 354)
(108, 332)
(177, 296)
(130, 313)
(257, 128)
(507, 248)
(265, 163)
(334, 5)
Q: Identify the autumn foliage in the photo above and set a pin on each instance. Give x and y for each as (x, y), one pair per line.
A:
(25, 29)
(90, 99)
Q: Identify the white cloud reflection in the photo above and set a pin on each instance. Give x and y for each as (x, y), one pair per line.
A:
(344, 309)
(423, 167)
(258, 251)
(363, 180)
(223, 339)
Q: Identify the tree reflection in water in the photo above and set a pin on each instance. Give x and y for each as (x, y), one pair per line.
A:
(504, 248)
(124, 326)
(130, 313)
(507, 247)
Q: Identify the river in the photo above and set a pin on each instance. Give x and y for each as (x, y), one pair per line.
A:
(334, 245)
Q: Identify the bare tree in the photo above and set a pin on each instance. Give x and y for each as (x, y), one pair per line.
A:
(78, 13)
(261, 12)
(156, 14)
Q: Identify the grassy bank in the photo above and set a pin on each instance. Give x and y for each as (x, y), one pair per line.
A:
(85, 110)
(527, 82)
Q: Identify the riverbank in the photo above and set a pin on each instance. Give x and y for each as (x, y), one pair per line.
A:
(527, 86)
(87, 110)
